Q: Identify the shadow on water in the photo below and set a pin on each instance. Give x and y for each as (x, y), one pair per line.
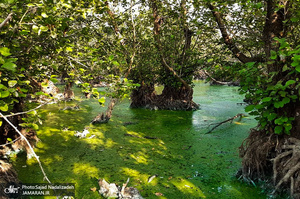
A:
(188, 163)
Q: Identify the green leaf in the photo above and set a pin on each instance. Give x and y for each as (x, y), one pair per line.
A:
(0, 122)
(210, 60)
(294, 19)
(5, 51)
(40, 93)
(266, 99)
(44, 15)
(115, 63)
(250, 64)
(9, 66)
(286, 100)
(44, 28)
(8, 139)
(35, 28)
(34, 126)
(2, 86)
(111, 57)
(12, 83)
(298, 68)
(272, 116)
(285, 68)
(4, 94)
(54, 80)
(273, 54)
(69, 49)
(278, 129)
(278, 104)
(249, 108)
(4, 108)
(290, 82)
(101, 100)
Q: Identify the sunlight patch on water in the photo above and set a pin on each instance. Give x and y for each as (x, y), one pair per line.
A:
(188, 188)
(85, 169)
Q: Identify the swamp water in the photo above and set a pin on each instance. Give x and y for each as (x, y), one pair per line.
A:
(187, 162)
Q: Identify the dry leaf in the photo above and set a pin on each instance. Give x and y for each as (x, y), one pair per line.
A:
(93, 189)
(159, 194)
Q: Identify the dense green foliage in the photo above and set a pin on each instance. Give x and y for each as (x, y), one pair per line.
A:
(271, 100)
(83, 42)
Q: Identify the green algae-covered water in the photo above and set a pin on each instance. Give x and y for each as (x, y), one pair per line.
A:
(187, 162)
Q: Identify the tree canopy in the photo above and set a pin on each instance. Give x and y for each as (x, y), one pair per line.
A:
(135, 45)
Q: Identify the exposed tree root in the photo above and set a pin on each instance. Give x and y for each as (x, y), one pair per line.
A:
(68, 93)
(268, 156)
(256, 151)
(170, 99)
(105, 117)
(286, 167)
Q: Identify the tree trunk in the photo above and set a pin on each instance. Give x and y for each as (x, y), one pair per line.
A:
(143, 97)
(176, 99)
(105, 117)
(172, 97)
(68, 93)
(228, 40)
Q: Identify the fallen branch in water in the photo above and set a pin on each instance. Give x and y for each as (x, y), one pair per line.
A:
(219, 82)
(240, 115)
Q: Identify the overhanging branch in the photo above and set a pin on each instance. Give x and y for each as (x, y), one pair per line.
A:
(228, 40)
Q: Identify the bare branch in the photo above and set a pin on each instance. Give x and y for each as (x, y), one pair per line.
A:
(157, 24)
(6, 20)
(20, 113)
(240, 115)
(78, 62)
(29, 145)
(228, 40)
(10, 142)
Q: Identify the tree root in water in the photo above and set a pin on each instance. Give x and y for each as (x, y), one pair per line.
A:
(105, 117)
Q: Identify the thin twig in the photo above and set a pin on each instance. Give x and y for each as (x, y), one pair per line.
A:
(78, 62)
(24, 138)
(20, 113)
(24, 16)
(230, 119)
(6, 20)
(11, 142)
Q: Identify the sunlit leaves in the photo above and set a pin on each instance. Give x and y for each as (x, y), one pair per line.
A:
(5, 51)
(102, 101)
(9, 66)
(12, 83)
